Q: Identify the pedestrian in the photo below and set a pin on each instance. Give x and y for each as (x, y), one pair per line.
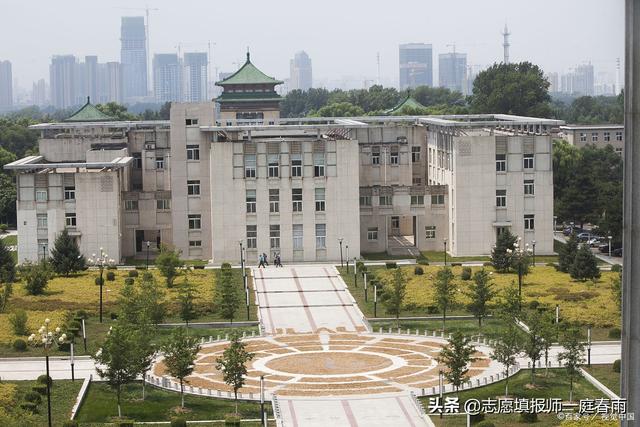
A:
(264, 258)
(261, 261)
(278, 261)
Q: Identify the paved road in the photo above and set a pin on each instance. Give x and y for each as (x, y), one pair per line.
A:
(29, 368)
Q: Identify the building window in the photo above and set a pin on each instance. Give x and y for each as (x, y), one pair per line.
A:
(296, 198)
(365, 200)
(273, 165)
(430, 232)
(417, 200)
(607, 136)
(42, 220)
(159, 162)
(250, 165)
(296, 165)
(70, 219)
(41, 195)
(318, 164)
(394, 156)
(618, 136)
(252, 236)
(320, 200)
(321, 236)
(69, 193)
(529, 222)
(385, 200)
(372, 234)
(137, 160)
(130, 205)
(375, 155)
(163, 204)
(274, 200)
(594, 136)
(619, 151)
(191, 122)
(193, 152)
(437, 199)
(193, 188)
(501, 198)
(195, 222)
(527, 161)
(195, 243)
(501, 162)
(500, 230)
(583, 137)
(415, 154)
(251, 201)
(395, 222)
(529, 189)
(416, 180)
(297, 237)
(274, 236)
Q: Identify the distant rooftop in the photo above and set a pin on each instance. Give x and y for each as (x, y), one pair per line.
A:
(89, 113)
(408, 102)
(600, 126)
(248, 74)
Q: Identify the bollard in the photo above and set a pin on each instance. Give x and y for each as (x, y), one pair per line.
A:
(426, 333)
(210, 338)
(485, 380)
(226, 337)
(389, 329)
(218, 338)
(253, 333)
(380, 329)
(244, 334)
(399, 331)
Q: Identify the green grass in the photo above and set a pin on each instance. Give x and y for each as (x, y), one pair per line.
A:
(381, 256)
(438, 256)
(100, 405)
(63, 396)
(10, 240)
(491, 328)
(605, 374)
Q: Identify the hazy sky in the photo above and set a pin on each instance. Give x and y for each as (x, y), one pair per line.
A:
(341, 37)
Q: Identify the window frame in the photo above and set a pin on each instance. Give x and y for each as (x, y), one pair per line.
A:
(250, 166)
(529, 222)
(159, 163)
(193, 152)
(274, 236)
(365, 199)
(296, 199)
(501, 198)
(131, 205)
(321, 239)
(439, 200)
(528, 161)
(416, 154)
(274, 200)
(41, 191)
(251, 199)
(296, 165)
(429, 231)
(297, 235)
(193, 187)
(320, 199)
(372, 234)
(70, 191)
(42, 221)
(163, 204)
(416, 200)
(529, 187)
(375, 155)
(319, 164)
(273, 168)
(387, 199)
(194, 221)
(501, 163)
(252, 236)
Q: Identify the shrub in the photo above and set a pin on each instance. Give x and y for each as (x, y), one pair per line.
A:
(33, 396)
(133, 273)
(466, 273)
(178, 422)
(18, 320)
(418, 271)
(615, 333)
(432, 309)
(20, 345)
(616, 366)
(42, 379)
(124, 423)
(391, 265)
(456, 264)
(533, 304)
(232, 420)
(487, 264)
(40, 388)
(36, 276)
(485, 424)
(81, 314)
(168, 263)
(528, 417)
(29, 407)
(3, 228)
(225, 265)
(128, 281)
(140, 267)
(99, 281)
(70, 423)
(111, 276)
(616, 268)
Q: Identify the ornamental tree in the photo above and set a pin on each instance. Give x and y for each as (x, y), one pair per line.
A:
(506, 350)
(7, 264)
(500, 258)
(226, 295)
(445, 290)
(233, 365)
(567, 254)
(393, 293)
(168, 263)
(65, 255)
(585, 265)
(180, 351)
(457, 356)
(481, 293)
(572, 356)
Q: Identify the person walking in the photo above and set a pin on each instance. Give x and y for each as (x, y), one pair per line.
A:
(264, 259)
(261, 261)
(279, 260)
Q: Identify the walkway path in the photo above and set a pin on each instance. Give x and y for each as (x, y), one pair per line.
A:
(29, 368)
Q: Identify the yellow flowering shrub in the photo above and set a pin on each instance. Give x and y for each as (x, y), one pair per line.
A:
(7, 395)
(36, 319)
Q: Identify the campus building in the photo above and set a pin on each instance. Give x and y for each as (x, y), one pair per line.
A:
(215, 178)
(598, 135)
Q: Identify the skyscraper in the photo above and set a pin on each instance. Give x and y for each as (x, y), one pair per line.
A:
(583, 81)
(166, 77)
(39, 93)
(133, 57)
(416, 65)
(301, 75)
(452, 71)
(194, 77)
(91, 77)
(6, 86)
(62, 78)
(113, 81)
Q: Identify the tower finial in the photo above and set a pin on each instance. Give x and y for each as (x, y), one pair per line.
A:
(248, 55)
(88, 100)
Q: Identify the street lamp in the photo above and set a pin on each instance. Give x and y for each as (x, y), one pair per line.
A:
(533, 244)
(445, 252)
(341, 261)
(46, 338)
(263, 419)
(519, 254)
(609, 237)
(441, 387)
(148, 246)
(101, 262)
(375, 299)
(589, 346)
(44, 251)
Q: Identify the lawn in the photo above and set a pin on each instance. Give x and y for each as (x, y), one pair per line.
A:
(100, 405)
(63, 396)
(491, 328)
(605, 374)
(581, 302)
(10, 240)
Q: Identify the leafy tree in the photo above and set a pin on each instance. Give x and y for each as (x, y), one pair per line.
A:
(457, 356)
(7, 264)
(180, 351)
(168, 262)
(185, 300)
(117, 111)
(393, 293)
(233, 365)
(16, 136)
(481, 293)
(145, 352)
(130, 305)
(7, 200)
(339, 109)
(6, 289)
(433, 96)
(514, 88)
(510, 303)
(567, 254)
(65, 255)
(572, 356)
(585, 265)
(533, 344)
(506, 350)
(36, 276)
(500, 258)
(152, 299)
(116, 360)
(548, 332)
(226, 294)
(616, 285)
(445, 290)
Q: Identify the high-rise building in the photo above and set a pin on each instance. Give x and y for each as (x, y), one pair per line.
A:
(90, 77)
(133, 57)
(554, 82)
(194, 77)
(416, 65)
(6, 86)
(583, 81)
(39, 93)
(301, 75)
(166, 77)
(452, 71)
(62, 79)
(113, 81)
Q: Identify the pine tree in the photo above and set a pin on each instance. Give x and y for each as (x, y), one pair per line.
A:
(481, 293)
(7, 264)
(227, 299)
(585, 265)
(500, 259)
(65, 255)
(457, 356)
(567, 254)
(233, 365)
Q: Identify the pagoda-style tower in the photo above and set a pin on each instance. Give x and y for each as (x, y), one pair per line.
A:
(249, 94)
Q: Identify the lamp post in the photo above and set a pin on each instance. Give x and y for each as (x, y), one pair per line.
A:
(101, 262)
(589, 346)
(73, 375)
(246, 290)
(148, 247)
(347, 248)
(241, 256)
(610, 238)
(375, 299)
(44, 251)
(262, 414)
(84, 336)
(533, 245)
(355, 272)
(341, 260)
(445, 252)
(46, 338)
(441, 387)
(518, 254)
(364, 277)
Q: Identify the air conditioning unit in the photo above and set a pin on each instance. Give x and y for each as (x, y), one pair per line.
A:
(149, 146)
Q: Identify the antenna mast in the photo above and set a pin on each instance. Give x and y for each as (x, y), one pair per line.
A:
(506, 44)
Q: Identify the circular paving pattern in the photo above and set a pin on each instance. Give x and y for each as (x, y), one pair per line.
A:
(331, 364)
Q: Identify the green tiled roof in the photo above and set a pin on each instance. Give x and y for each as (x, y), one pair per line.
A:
(408, 102)
(248, 97)
(248, 74)
(89, 113)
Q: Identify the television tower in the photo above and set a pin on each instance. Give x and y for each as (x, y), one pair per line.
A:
(506, 44)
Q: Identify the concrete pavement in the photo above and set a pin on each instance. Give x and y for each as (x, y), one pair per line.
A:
(29, 368)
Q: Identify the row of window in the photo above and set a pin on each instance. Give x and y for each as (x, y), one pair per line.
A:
(193, 153)
(501, 195)
(528, 162)
(296, 200)
(297, 234)
(273, 165)
(606, 136)
(436, 199)
(161, 205)
(69, 220)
